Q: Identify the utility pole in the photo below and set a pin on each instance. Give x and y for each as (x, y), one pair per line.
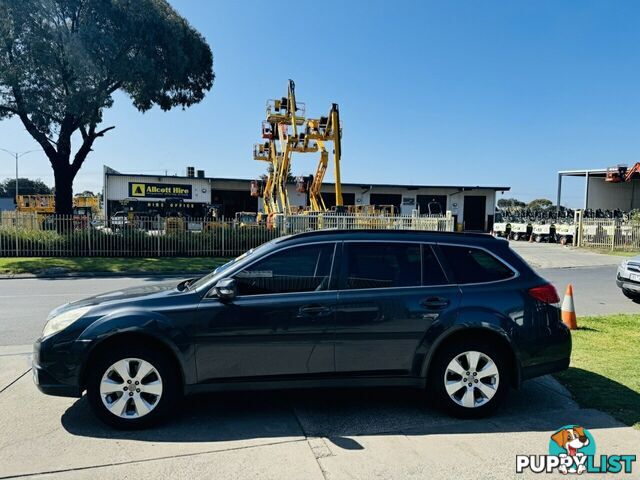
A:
(17, 156)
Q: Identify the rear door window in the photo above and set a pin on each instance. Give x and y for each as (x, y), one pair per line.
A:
(472, 265)
(432, 273)
(382, 265)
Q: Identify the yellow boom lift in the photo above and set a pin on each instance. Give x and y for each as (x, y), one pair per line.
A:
(287, 124)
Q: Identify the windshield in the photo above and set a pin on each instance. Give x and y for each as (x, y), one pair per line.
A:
(207, 278)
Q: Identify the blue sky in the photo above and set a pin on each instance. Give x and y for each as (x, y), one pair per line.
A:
(449, 92)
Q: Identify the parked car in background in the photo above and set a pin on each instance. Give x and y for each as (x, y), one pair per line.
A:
(628, 277)
(119, 220)
(460, 315)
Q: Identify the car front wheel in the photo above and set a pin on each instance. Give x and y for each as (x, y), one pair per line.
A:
(132, 387)
(469, 379)
(630, 294)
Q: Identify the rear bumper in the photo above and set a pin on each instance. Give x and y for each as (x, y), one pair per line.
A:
(553, 354)
(545, 368)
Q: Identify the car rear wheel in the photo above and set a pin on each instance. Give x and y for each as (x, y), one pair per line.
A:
(132, 388)
(469, 379)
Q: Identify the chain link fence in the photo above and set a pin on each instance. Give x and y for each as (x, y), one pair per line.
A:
(32, 235)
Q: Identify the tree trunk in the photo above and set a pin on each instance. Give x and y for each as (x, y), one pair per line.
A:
(64, 189)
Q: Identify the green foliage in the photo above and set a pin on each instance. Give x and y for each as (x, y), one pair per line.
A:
(70, 241)
(26, 186)
(173, 265)
(510, 203)
(540, 204)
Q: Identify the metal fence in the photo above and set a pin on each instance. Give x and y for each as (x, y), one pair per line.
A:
(31, 235)
(607, 233)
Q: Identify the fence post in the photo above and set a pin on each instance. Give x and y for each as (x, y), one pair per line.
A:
(577, 222)
(89, 236)
(222, 229)
(158, 226)
(613, 236)
(17, 236)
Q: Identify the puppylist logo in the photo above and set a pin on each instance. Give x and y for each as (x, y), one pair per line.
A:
(572, 450)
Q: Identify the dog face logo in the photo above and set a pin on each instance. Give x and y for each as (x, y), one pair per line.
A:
(571, 439)
(571, 443)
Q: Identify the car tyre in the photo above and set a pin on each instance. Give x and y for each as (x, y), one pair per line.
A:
(474, 394)
(630, 295)
(151, 404)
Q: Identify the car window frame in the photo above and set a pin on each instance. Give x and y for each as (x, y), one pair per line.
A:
(211, 295)
(450, 273)
(342, 279)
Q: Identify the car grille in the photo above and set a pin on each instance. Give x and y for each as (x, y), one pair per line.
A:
(633, 267)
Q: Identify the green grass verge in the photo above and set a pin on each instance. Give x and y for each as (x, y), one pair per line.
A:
(605, 366)
(178, 265)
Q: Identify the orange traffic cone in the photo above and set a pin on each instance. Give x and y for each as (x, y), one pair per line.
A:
(568, 310)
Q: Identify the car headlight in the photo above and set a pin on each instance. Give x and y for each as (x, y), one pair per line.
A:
(62, 321)
(623, 264)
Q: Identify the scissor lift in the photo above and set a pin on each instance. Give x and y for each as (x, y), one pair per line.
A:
(286, 130)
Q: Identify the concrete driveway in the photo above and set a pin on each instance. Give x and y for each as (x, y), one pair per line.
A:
(554, 255)
(334, 434)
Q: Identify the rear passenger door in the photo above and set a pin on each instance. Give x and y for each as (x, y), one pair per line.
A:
(390, 293)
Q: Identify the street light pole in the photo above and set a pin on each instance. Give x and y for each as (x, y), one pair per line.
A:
(17, 156)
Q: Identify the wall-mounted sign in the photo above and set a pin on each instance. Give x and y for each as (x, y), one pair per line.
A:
(408, 201)
(159, 190)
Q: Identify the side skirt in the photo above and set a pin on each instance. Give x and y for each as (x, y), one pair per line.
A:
(271, 384)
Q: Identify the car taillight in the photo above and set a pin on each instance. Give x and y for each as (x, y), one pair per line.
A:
(545, 293)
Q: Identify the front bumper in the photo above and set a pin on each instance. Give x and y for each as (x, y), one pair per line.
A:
(56, 366)
(624, 281)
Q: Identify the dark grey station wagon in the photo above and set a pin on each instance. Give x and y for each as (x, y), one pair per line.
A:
(460, 315)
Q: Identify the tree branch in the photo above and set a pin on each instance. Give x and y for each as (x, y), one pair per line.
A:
(39, 137)
(8, 109)
(102, 132)
(88, 138)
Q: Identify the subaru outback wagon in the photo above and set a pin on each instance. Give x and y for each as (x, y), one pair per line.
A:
(460, 315)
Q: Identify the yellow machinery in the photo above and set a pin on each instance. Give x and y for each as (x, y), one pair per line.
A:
(46, 204)
(42, 204)
(287, 130)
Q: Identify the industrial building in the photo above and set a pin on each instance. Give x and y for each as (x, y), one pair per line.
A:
(614, 188)
(472, 207)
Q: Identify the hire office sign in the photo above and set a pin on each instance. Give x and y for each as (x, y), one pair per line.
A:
(159, 190)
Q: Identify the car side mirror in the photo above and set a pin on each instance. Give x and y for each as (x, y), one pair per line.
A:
(226, 289)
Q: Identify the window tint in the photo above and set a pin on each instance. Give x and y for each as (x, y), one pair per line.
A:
(471, 265)
(382, 265)
(297, 269)
(432, 273)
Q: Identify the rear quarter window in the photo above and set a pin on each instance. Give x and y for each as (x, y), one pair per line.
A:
(472, 265)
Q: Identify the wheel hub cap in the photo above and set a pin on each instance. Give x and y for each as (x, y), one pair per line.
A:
(471, 379)
(131, 388)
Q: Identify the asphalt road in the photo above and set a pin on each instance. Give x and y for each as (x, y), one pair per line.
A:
(25, 303)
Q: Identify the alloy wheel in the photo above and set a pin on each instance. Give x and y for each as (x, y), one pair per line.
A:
(471, 379)
(131, 388)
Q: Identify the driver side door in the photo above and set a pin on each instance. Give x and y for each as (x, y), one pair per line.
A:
(280, 324)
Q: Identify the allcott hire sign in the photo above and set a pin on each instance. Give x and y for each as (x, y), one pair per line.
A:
(159, 190)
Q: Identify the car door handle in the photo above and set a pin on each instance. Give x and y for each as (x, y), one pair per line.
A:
(435, 303)
(314, 310)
